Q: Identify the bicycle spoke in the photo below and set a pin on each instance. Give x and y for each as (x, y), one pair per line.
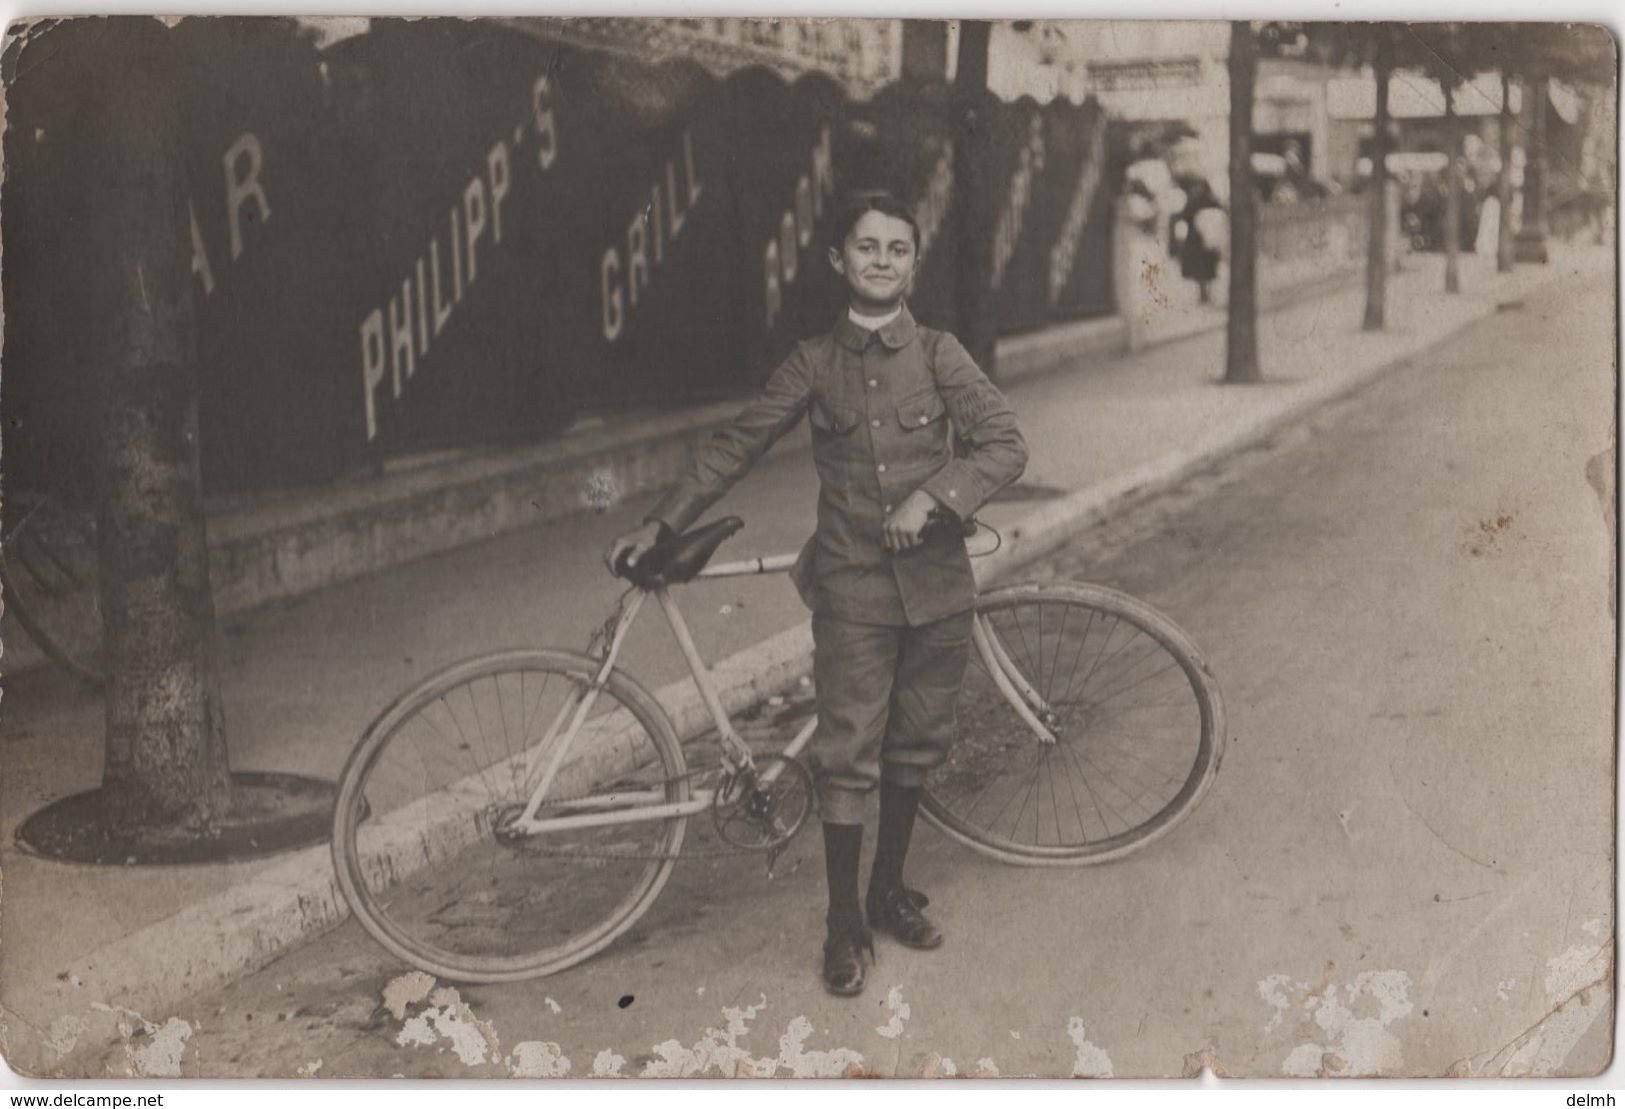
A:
(1039, 669)
(1108, 677)
(1171, 778)
(1083, 641)
(1005, 807)
(1094, 798)
(1105, 665)
(1060, 641)
(507, 738)
(1054, 806)
(1120, 778)
(986, 785)
(482, 759)
(1038, 768)
(1108, 780)
(1077, 809)
(1026, 649)
(1169, 665)
(1098, 656)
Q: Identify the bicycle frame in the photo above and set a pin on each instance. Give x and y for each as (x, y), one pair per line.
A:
(650, 804)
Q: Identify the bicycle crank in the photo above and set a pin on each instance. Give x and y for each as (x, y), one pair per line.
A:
(762, 806)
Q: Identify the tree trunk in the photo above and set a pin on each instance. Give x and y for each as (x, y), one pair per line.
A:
(1376, 269)
(1503, 187)
(973, 223)
(165, 730)
(1241, 327)
(1452, 194)
(1531, 241)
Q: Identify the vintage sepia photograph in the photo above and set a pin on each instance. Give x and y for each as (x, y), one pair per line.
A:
(785, 548)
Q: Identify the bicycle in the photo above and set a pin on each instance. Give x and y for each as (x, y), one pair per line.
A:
(479, 852)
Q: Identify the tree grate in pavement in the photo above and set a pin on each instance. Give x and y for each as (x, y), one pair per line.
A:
(271, 813)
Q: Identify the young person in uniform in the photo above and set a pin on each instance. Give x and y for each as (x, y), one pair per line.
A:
(888, 401)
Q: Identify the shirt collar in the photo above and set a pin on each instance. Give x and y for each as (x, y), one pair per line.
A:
(874, 323)
(895, 335)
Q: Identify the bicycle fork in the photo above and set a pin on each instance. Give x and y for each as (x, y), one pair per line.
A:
(1017, 690)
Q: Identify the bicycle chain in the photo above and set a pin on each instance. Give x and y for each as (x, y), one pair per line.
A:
(528, 846)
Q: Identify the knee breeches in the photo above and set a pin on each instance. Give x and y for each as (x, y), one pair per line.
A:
(886, 700)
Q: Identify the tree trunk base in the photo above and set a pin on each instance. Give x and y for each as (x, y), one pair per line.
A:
(269, 813)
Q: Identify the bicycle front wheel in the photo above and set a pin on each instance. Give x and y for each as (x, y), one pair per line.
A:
(1136, 716)
(424, 840)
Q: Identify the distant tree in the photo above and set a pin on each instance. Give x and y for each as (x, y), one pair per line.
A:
(1503, 186)
(1241, 323)
(973, 299)
(1376, 262)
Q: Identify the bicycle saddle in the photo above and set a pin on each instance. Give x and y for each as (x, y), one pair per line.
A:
(680, 558)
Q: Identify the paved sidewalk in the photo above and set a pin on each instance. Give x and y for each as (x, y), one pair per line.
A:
(302, 679)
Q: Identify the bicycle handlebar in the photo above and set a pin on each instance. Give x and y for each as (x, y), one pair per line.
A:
(938, 522)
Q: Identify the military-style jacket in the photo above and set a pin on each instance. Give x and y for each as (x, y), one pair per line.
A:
(877, 402)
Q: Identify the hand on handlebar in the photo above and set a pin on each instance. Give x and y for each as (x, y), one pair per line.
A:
(627, 549)
(905, 527)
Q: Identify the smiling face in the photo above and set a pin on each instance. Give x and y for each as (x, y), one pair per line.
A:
(878, 261)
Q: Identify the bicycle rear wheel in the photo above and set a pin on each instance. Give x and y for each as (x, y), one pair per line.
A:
(421, 839)
(1137, 717)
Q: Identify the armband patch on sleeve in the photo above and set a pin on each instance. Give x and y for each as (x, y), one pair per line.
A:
(975, 403)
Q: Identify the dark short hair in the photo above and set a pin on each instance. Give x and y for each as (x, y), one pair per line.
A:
(859, 204)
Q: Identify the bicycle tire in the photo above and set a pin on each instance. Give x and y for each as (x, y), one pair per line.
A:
(85, 672)
(48, 582)
(991, 749)
(418, 839)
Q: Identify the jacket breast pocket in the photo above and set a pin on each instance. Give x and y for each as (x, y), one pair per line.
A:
(921, 410)
(831, 418)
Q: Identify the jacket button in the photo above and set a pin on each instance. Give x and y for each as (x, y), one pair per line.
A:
(874, 423)
(874, 383)
(881, 467)
(925, 419)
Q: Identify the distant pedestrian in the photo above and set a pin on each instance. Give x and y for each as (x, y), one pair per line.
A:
(1198, 254)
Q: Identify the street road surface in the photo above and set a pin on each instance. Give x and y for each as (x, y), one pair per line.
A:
(1405, 866)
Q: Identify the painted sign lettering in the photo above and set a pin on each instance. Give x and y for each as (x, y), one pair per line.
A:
(782, 254)
(1017, 198)
(648, 234)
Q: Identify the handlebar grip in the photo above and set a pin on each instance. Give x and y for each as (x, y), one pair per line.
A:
(940, 520)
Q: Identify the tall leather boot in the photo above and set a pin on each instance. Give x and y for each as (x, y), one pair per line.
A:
(848, 939)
